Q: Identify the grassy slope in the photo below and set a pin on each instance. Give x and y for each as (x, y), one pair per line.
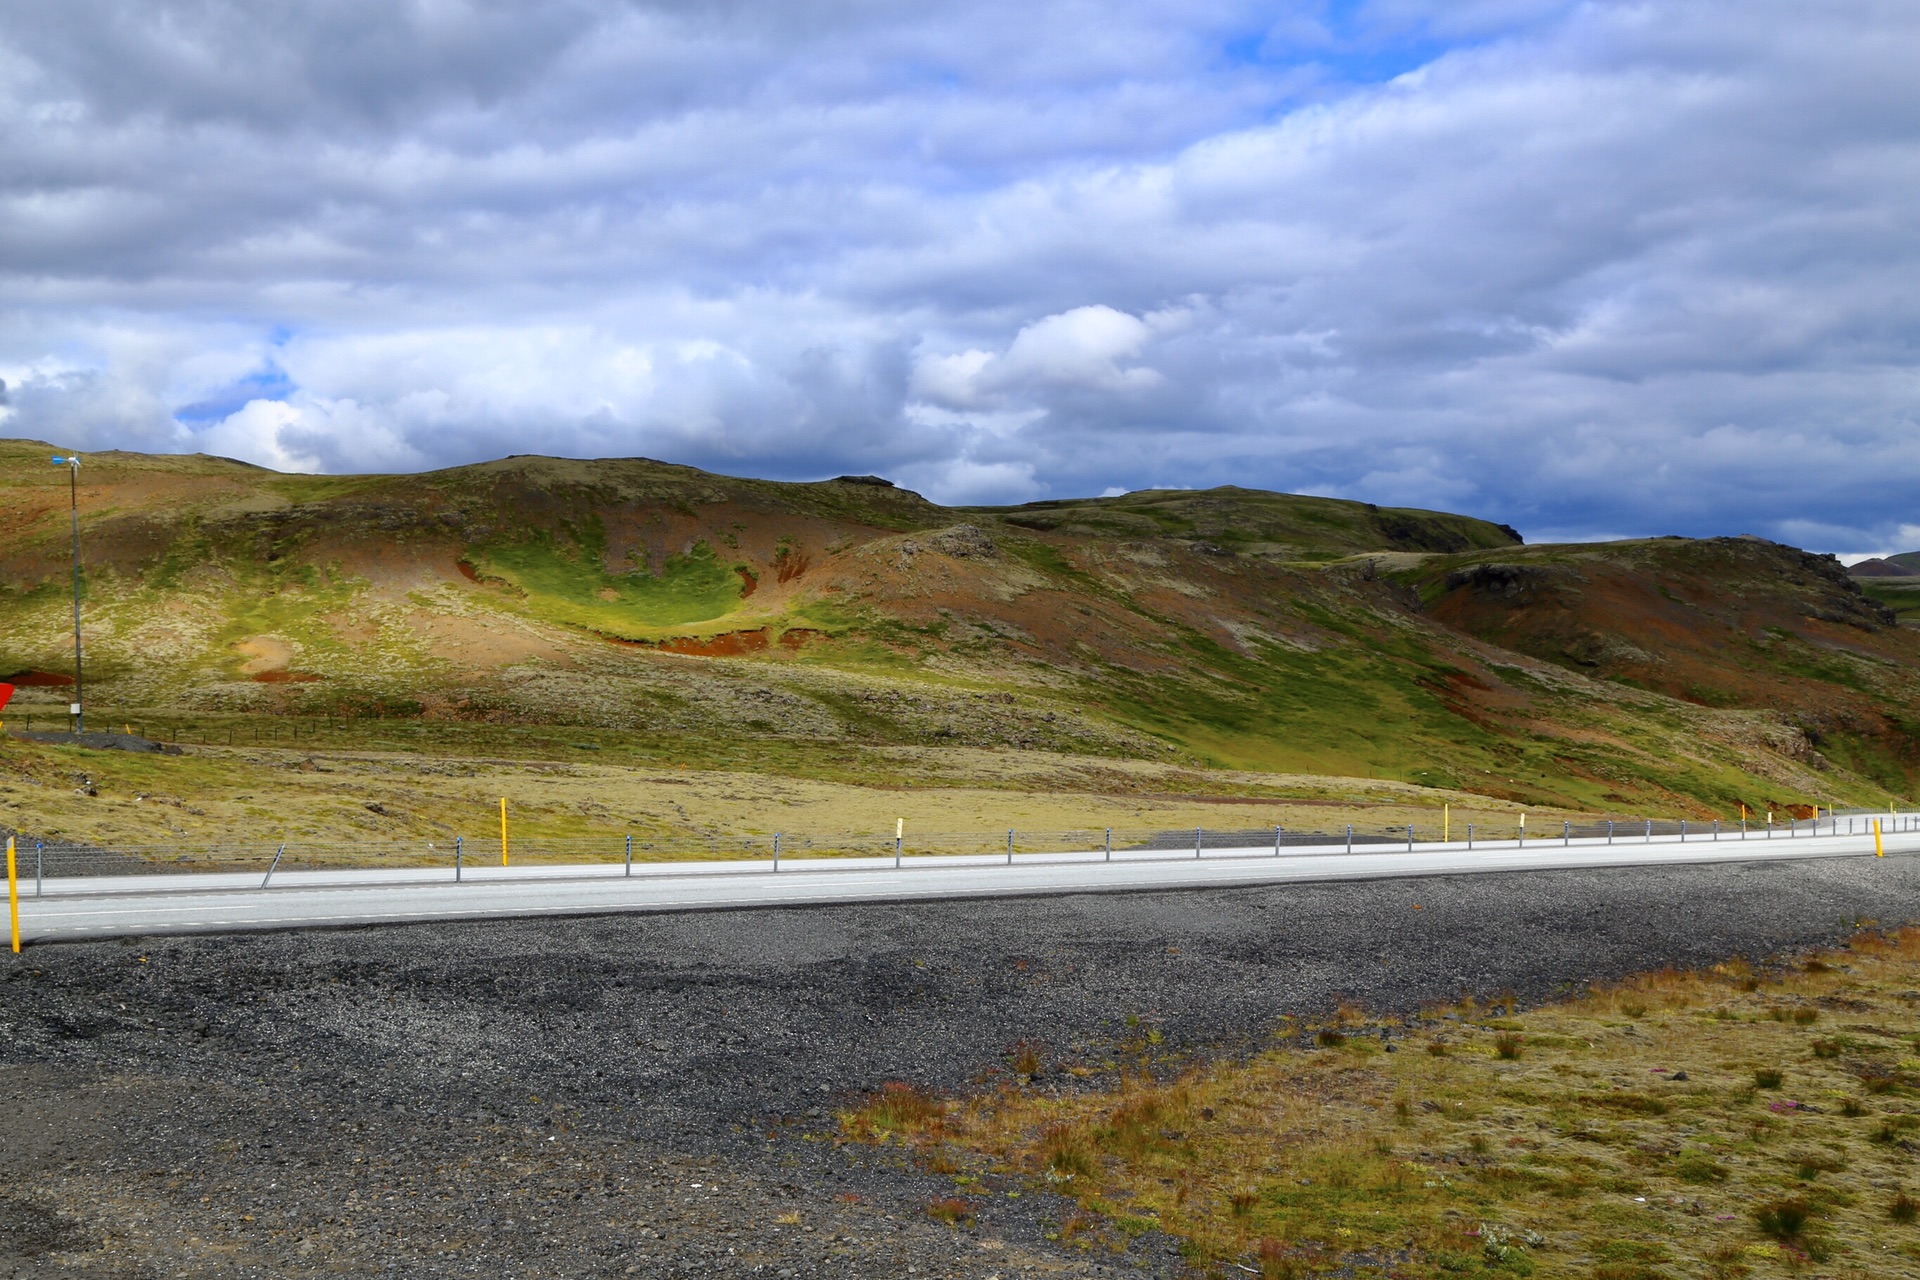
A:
(1229, 628)
(1720, 1124)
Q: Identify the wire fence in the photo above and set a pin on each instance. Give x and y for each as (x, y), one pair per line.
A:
(42, 860)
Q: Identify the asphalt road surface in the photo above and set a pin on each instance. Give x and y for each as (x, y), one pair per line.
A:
(71, 908)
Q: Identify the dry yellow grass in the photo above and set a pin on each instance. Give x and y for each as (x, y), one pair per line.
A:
(1715, 1124)
(323, 792)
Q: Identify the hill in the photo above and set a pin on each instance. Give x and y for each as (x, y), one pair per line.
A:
(1894, 582)
(707, 616)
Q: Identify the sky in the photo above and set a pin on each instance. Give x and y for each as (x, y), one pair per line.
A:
(1592, 269)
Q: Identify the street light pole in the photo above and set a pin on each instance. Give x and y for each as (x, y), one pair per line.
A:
(72, 463)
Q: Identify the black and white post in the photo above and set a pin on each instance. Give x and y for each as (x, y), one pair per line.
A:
(71, 462)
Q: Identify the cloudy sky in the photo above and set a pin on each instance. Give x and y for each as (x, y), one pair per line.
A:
(1595, 269)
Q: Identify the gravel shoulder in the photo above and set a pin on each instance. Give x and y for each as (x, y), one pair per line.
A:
(655, 1095)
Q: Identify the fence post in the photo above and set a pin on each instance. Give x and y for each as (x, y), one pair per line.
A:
(457, 851)
(629, 854)
(273, 866)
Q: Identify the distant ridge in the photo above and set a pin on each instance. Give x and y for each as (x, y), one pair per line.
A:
(1904, 565)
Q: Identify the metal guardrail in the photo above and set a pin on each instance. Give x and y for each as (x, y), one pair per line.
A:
(44, 860)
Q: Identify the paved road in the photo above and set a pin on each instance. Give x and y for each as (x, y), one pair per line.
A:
(110, 906)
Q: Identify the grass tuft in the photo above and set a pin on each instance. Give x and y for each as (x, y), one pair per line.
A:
(1903, 1208)
(955, 1211)
(1768, 1077)
(1783, 1219)
(898, 1108)
(1506, 1046)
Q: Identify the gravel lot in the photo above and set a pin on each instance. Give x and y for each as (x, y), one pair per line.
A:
(654, 1095)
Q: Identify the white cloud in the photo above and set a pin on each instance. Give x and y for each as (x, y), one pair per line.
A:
(1574, 266)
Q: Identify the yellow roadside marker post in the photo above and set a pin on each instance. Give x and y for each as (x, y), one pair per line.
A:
(13, 897)
(503, 831)
(1879, 850)
(899, 832)
(1446, 824)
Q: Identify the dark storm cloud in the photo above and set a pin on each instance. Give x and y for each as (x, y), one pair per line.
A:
(1588, 268)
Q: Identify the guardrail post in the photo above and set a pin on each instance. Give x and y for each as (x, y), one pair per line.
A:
(1716, 830)
(1566, 832)
(457, 859)
(1009, 848)
(899, 833)
(1649, 830)
(776, 851)
(39, 864)
(1349, 837)
(1196, 842)
(1109, 844)
(274, 866)
(1609, 830)
(1469, 837)
(1409, 837)
(1683, 831)
(1276, 842)
(629, 854)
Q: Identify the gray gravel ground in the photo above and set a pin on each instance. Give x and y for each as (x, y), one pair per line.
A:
(655, 1095)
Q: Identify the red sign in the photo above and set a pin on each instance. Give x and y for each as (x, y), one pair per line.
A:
(6, 692)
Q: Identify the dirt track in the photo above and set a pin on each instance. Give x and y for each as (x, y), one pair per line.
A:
(655, 1095)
